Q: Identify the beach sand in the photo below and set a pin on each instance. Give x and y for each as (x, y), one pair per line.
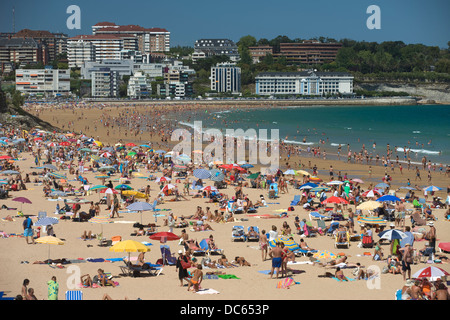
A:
(252, 284)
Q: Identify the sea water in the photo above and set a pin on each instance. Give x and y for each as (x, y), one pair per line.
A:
(424, 129)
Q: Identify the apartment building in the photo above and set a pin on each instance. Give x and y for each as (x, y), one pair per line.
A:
(21, 50)
(148, 40)
(308, 52)
(43, 82)
(122, 67)
(102, 47)
(212, 47)
(259, 52)
(139, 86)
(226, 77)
(105, 83)
(304, 83)
(54, 43)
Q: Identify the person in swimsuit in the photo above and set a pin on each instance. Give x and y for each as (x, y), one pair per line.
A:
(339, 274)
(197, 278)
(277, 257)
(263, 245)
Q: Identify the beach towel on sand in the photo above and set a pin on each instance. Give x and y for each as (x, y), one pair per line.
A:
(286, 283)
(207, 291)
(349, 279)
(227, 276)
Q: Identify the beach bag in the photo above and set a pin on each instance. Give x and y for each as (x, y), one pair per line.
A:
(184, 264)
(367, 242)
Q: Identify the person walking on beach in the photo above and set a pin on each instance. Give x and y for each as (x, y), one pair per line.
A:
(277, 257)
(28, 230)
(53, 289)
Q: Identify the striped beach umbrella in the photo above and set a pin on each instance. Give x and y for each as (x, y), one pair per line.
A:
(392, 234)
(101, 220)
(432, 188)
(371, 193)
(288, 243)
(179, 167)
(57, 175)
(216, 175)
(430, 272)
(372, 220)
(98, 186)
(209, 188)
(324, 255)
(46, 221)
(202, 173)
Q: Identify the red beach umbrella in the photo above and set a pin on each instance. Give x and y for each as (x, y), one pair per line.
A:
(335, 200)
(168, 236)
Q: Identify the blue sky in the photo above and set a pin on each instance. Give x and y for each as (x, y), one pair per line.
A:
(410, 21)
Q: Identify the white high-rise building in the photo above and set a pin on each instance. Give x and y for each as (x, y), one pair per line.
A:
(84, 48)
(48, 82)
(226, 77)
(105, 83)
(139, 86)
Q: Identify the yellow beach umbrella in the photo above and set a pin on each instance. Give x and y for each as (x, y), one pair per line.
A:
(369, 205)
(302, 172)
(98, 143)
(134, 193)
(49, 240)
(129, 246)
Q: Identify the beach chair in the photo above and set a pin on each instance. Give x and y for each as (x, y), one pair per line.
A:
(74, 295)
(295, 201)
(253, 238)
(229, 207)
(133, 271)
(307, 231)
(204, 245)
(321, 224)
(238, 233)
(168, 256)
(2, 296)
(42, 215)
(334, 225)
(344, 243)
(316, 215)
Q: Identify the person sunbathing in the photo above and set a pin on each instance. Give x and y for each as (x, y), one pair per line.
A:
(223, 261)
(304, 245)
(242, 262)
(252, 233)
(86, 280)
(340, 274)
(87, 236)
(203, 227)
(103, 279)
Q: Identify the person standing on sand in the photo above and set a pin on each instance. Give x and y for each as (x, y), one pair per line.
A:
(53, 289)
(277, 257)
(197, 278)
(263, 244)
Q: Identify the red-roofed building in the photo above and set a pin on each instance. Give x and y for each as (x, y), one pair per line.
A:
(149, 40)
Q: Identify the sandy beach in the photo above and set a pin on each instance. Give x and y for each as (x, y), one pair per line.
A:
(251, 285)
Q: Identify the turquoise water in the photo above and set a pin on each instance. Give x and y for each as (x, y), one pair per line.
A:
(424, 129)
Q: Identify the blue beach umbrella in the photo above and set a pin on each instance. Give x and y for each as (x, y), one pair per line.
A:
(432, 188)
(382, 185)
(46, 221)
(392, 234)
(202, 173)
(388, 198)
(247, 166)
